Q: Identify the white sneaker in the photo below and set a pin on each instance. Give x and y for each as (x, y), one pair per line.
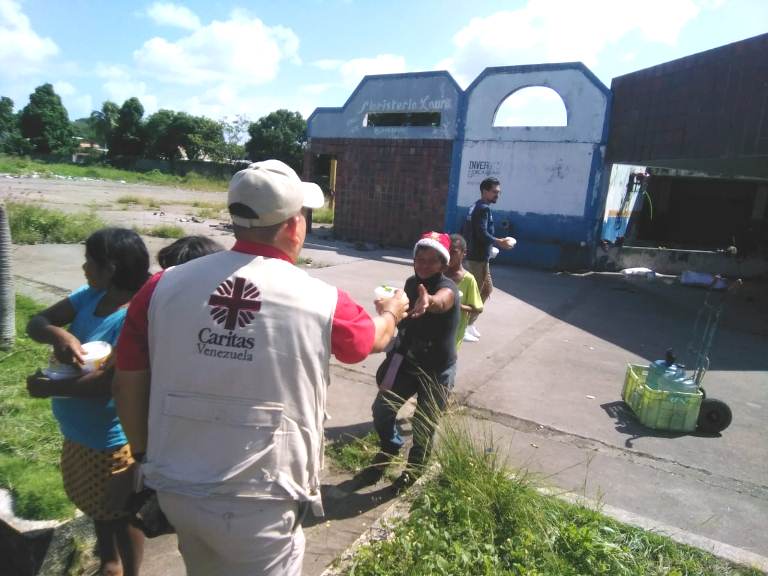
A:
(472, 330)
(469, 338)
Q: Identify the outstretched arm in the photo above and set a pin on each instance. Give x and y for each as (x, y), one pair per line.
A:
(437, 303)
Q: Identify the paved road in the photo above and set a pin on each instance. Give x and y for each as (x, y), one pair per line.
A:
(546, 380)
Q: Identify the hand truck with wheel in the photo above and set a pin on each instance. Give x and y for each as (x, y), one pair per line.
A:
(683, 405)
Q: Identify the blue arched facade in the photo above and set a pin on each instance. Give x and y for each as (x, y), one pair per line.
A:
(551, 175)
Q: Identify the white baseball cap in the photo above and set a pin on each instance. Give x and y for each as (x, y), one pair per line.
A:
(273, 191)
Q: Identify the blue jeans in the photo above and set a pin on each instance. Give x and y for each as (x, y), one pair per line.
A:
(432, 389)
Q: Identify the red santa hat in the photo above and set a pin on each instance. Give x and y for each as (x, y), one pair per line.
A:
(436, 240)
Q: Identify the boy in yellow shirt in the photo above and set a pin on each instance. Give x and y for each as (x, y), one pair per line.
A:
(471, 302)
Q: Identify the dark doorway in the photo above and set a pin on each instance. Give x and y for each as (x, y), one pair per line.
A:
(701, 214)
(323, 174)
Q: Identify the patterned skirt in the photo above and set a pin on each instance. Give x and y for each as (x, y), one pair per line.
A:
(91, 476)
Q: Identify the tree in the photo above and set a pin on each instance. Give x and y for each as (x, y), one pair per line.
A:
(168, 133)
(7, 302)
(206, 140)
(104, 121)
(282, 135)
(83, 128)
(8, 121)
(46, 123)
(11, 140)
(127, 138)
(162, 137)
(234, 133)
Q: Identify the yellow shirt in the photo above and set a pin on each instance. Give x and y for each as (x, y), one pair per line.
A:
(470, 296)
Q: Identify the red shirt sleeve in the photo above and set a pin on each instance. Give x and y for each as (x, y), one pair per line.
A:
(133, 344)
(352, 331)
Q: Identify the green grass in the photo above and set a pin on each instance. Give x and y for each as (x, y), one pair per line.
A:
(352, 454)
(192, 181)
(218, 206)
(32, 224)
(164, 231)
(208, 213)
(30, 442)
(322, 215)
(138, 201)
(475, 518)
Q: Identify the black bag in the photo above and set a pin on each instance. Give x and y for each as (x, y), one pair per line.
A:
(147, 515)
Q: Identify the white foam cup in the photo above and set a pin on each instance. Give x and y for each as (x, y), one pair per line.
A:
(96, 353)
(384, 291)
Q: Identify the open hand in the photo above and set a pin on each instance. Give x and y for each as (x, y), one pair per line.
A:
(421, 305)
(507, 243)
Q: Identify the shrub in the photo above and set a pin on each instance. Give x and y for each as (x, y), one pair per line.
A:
(164, 231)
(36, 225)
(322, 215)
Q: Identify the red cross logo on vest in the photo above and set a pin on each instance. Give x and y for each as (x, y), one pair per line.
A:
(234, 303)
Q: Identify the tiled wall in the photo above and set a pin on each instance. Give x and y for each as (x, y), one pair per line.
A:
(387, 191)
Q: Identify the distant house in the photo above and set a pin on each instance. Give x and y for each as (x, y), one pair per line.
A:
(87, 150)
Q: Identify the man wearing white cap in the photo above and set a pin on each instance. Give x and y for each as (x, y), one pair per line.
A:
(222, 372)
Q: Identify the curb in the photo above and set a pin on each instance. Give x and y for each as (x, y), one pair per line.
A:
(381, 529)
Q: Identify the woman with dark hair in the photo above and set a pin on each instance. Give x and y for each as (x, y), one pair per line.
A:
(95, 450)
(186, 249)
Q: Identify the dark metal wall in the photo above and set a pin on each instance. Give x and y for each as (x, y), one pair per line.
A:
(708, 112)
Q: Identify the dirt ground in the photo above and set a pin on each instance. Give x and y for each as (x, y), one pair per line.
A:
(174, 205)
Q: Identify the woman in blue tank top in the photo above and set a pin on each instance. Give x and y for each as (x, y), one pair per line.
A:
(95, 450)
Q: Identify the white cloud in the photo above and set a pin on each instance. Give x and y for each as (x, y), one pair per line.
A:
(169, 14)
(532, 106)
(120, 90)
(22, 50)
(63, 88)
(316, 88)
(110, 71)
(328, 64)
(79, 106)
(556, 31)
(242, 51)
(352, 71)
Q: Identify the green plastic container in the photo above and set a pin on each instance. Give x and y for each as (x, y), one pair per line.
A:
(660, 409)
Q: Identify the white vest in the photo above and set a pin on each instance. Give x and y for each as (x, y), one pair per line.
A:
(239, 348)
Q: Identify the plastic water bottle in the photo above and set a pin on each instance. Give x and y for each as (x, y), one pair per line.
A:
(682, 384)
(662, 374)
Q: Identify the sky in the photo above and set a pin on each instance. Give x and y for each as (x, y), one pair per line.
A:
(222, 59)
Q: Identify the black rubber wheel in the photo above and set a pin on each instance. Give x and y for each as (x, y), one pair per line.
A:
(714, 416)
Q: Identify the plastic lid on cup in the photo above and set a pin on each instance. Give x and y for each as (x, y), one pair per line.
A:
(384, 291)
(96, 350)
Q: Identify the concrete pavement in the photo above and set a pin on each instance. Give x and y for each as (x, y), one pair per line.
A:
(546, 380)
